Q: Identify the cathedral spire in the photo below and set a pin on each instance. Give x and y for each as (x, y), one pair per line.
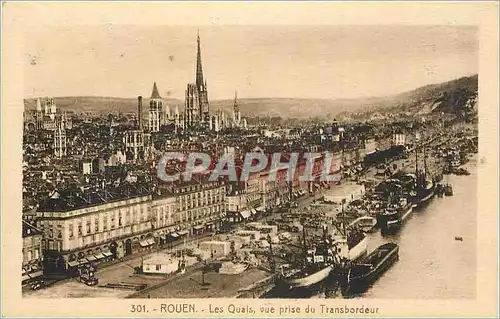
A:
(199, 69)
(155, 94)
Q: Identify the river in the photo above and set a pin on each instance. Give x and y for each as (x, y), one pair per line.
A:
(432, 264)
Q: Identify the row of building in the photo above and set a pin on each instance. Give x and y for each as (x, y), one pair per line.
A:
(112, 220)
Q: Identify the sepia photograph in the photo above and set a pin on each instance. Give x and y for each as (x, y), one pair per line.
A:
(265, 162)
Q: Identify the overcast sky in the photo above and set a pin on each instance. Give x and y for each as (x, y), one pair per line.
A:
(257, 61)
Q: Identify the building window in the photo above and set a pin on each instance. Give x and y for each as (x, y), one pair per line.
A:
(80, 230)
(96, 225)
(88, 228)
(70, 230)
(158, 267)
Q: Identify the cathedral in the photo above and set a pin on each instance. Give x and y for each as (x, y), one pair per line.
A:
(196, 106)
(47, 118)
(220, 121)
(196, 113)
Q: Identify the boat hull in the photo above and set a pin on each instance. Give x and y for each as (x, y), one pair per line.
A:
(359, 250)
(360, 282)
(310, 280)
(393, 222)
(355, 253)
(424, 196)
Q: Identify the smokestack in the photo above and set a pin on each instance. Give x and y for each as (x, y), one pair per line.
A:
(139, 111)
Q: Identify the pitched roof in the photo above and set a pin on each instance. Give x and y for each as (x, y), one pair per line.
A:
(155, 94)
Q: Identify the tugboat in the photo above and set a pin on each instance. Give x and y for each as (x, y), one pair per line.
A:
(350, 243)
(361, 275)
(316, 264)
(316, 267)
(424, 188)
(353, 246)
(393, 217)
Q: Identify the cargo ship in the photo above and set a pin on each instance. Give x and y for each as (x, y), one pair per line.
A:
(424, 191)
(310, 275)
(425, 188)
(322, 259)
(393, 217)
(315, 267)
(363, 274)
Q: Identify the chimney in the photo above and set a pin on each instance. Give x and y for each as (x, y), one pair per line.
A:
(139, 111)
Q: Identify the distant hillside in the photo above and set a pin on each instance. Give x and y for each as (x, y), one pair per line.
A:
(288, 108)
(98, 104)
(443, 97)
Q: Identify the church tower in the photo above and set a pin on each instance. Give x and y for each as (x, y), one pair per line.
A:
(38, 105)
(197, 108)
(192, 112)
(38, 115)
(236, 111)
(155, 110)
(47, 107)
(52, 109)
(59, 145)
(201, 86)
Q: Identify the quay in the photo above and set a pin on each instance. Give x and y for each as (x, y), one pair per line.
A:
(214, 285)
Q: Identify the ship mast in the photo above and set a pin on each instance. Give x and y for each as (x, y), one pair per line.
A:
(325, 243)
(416, 159)
(272, 260)
(425, 164)
(305, 243)
(343, 217)
(290, 186)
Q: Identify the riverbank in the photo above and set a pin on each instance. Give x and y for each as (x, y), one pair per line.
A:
(433, 265)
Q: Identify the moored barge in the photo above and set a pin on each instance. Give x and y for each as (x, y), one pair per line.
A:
(362, 275)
